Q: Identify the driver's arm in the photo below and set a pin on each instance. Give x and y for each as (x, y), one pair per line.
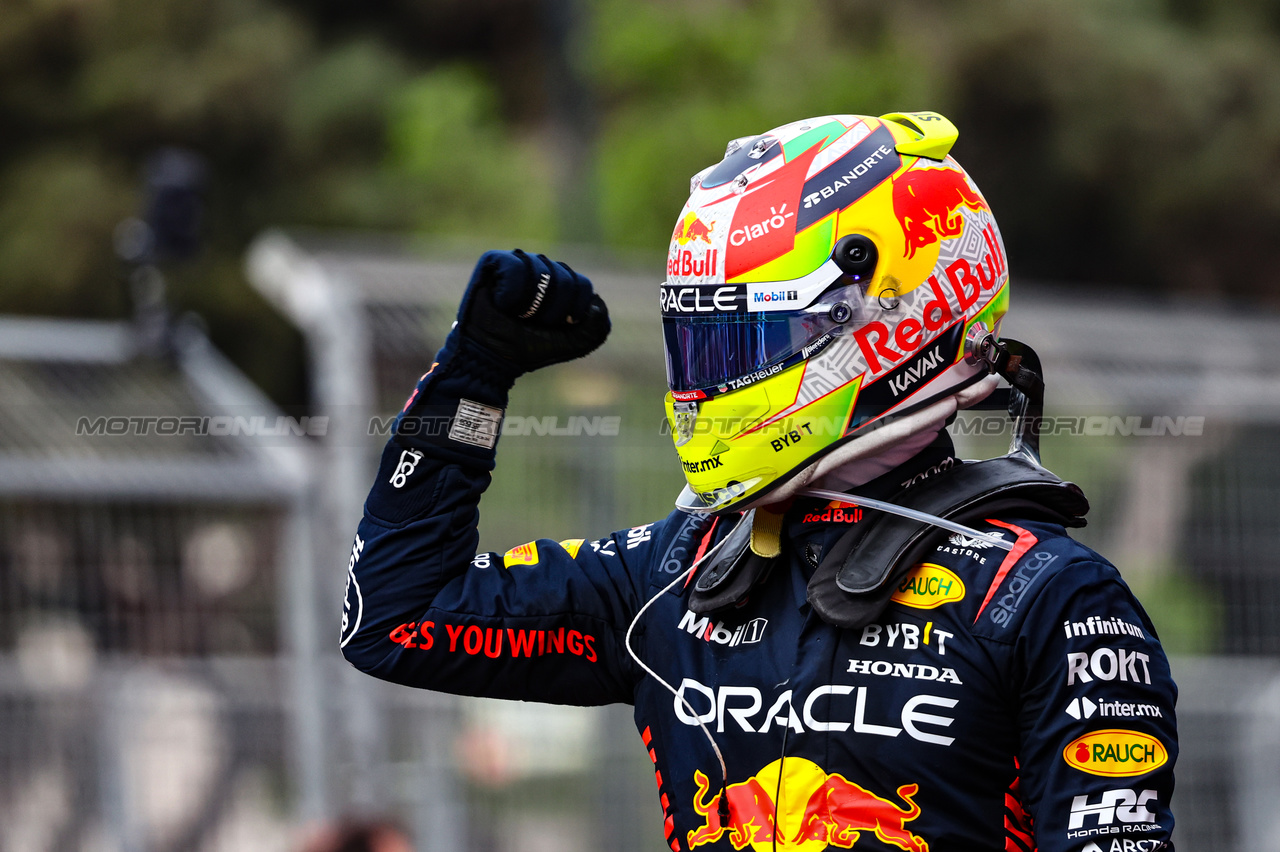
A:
(542, 622)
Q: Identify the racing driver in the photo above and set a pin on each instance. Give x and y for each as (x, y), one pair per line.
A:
(843, 635)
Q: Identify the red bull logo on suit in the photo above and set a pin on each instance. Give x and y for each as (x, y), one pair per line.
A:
(813, 811)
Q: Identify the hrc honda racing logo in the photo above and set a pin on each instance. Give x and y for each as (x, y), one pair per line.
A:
(1115, 812)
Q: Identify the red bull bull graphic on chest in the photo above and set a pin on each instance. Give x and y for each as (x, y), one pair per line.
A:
(813, 811)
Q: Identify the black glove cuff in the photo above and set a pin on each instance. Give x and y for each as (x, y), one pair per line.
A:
(455, 414)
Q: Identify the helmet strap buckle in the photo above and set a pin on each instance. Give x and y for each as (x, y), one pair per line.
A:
(686, 416)
(1019, 365)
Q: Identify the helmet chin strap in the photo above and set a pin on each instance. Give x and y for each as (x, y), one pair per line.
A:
(1015, 362)
(922, 517)
(1019, 365)
(932, 418)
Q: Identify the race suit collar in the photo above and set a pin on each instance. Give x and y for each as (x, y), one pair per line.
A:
(812, 525)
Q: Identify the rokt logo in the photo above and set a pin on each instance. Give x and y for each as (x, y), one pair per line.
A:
(1116, 753)
(1108, 664)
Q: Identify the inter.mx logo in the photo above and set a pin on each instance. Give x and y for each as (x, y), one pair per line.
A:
(744, 634)
(1115, 812)
(1083, 708)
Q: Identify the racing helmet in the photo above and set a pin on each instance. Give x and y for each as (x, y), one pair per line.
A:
(825, 280)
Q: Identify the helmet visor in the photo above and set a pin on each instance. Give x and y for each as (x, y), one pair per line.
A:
(715, 349)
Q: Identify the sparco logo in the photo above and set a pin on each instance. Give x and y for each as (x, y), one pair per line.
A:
(1115, 812)
(1004, 607)
(743, 634)
(353, 603)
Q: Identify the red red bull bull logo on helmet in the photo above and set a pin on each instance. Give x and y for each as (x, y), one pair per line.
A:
(925, 202)
(691, 228)
(813, 811)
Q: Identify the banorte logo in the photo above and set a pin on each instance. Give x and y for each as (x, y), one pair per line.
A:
(836, 812)
(925, 202)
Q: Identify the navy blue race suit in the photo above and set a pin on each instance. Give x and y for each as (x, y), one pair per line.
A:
(1004, 700)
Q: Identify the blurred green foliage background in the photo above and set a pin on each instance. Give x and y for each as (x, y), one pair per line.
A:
(1129, 143)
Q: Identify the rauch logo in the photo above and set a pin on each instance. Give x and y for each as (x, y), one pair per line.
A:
(1116, 753)
(929, 586)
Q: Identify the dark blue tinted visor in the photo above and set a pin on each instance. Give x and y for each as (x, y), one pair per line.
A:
(706, 351)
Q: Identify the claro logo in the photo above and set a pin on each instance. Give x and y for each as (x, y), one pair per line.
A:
(1116, 753)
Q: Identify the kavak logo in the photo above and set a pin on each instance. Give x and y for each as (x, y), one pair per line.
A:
(928, 586)
(1116, 753)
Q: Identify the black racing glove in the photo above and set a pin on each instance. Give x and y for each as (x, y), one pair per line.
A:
(520, 313)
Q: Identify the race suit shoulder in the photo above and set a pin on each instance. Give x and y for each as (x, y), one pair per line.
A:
(1002, 701)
